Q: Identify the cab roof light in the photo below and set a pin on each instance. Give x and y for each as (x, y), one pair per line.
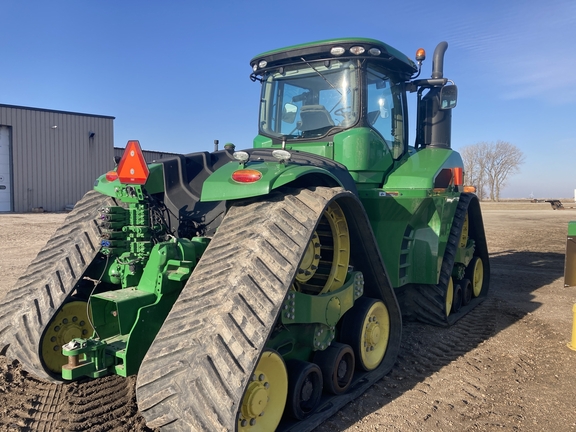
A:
(246, 176)
(337, 51)
(357, 50)
(374, 51)
(281, 155)
(420, 54)
(132, 168)
(241, 156)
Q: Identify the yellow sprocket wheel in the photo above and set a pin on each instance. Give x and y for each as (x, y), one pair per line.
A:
(310, 260)
(70, 322)
(325, 263)
(265, 397)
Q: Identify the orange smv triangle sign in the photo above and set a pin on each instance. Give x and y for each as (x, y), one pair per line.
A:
(132, 168)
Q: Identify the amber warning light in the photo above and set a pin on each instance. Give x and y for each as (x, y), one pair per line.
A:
(132, 168)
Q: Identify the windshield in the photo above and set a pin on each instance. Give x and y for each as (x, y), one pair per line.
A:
(308, 100)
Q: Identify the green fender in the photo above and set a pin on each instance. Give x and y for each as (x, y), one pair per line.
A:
(220, 186)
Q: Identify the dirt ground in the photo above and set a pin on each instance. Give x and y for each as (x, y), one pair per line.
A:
(505, 366)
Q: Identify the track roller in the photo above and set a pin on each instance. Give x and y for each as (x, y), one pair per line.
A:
(265, 397)
(337, 364)
(304, 388)
(366, 329)
(457, 298)
(466, 291)
(475, 272)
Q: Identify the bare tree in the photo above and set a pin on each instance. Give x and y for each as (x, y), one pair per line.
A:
(489, 165)
(502, 160)
(474, 167)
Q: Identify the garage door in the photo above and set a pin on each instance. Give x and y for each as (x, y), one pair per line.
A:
(5, 175)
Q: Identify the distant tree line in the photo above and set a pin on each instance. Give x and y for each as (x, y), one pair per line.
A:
(489, 165)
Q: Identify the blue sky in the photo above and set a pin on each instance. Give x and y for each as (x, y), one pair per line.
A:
(175, 74)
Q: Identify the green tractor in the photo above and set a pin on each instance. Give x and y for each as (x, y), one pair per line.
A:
(263, 289)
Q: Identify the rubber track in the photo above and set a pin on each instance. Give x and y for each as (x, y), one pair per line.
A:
(49, 280)
(194, 375)
(427, 302)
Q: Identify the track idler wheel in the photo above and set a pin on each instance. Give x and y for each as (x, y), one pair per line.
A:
(304, 388)
(265, 397)
(466, 286)
(70, 322)
(337, 364)
(366, 328)
(457, 298)
(475, 272)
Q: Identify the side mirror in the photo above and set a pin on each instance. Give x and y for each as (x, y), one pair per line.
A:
(448, 97)
(289, 113)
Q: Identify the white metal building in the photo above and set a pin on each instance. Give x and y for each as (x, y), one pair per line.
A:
(50, 159)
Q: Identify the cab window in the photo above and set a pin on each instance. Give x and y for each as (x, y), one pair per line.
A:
(384, 111)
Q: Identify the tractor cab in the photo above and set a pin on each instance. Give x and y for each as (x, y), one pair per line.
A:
(343, 99)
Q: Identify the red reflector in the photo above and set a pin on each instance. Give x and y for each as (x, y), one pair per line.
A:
(246, 176)
(458, 176)
(132, 168)
(111, 175)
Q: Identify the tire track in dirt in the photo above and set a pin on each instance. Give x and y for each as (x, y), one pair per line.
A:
(47, 405)
(104, 404)
(29, 404)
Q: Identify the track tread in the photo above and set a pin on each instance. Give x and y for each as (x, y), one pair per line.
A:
(48, 281)
(223, 317)
(262, 271)
(427, 302)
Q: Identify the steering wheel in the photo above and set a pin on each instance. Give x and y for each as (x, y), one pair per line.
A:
(344, 111)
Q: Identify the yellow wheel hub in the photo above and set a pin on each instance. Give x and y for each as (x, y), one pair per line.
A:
(265, 397)
(374, 338)
(70, 322)
(477, 277)
(257, 399)
(449, 296)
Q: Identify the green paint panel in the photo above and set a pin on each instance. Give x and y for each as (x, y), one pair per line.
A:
(365, 155)
(324, 149)
(411, 233)
(421, 169)
(220, 186)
